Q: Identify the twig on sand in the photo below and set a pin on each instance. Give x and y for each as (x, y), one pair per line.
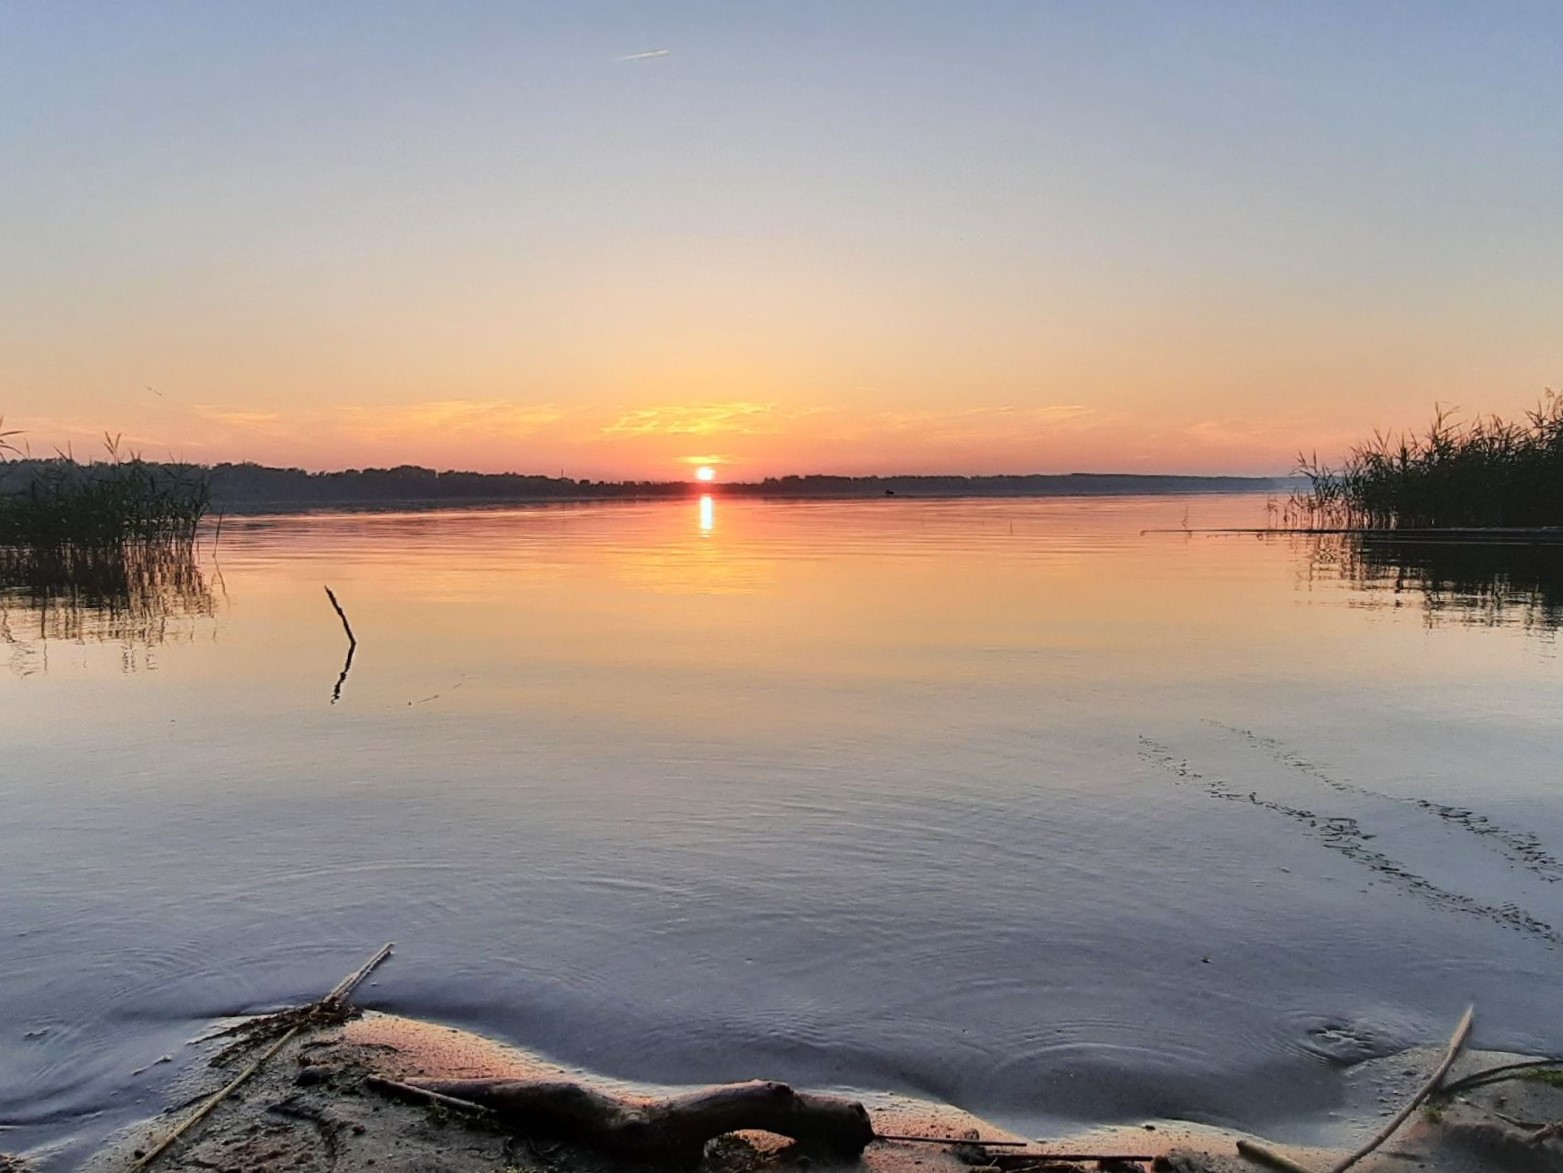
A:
(332, 1010)
(1040, 1161)
(300, 1017)
(395, 1087)
(1498, 1074)
(955, 1140)
(216, 1098)
(1456, 1044)
(1258, 1153)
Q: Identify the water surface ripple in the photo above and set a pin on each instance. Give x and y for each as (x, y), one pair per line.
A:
(1004, 803)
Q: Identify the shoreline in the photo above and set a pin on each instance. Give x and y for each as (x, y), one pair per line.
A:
(284, 507)
(309, 1108)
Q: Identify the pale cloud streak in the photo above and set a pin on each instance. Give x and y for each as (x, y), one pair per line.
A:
(447, 417)
(496, 433)
(974, 423)
(646, 56)
(982, 418)
(443, 417)
(258, 420)
(701, 419)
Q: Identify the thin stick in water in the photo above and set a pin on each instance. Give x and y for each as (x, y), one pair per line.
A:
(344, 988)
(342, 615)
(352, 647)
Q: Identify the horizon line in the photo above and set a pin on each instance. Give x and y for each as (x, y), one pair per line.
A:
(626, 480)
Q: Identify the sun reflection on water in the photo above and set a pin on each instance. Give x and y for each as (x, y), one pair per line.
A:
(707, 514)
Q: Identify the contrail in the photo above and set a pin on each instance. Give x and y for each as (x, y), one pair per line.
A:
(644, 56)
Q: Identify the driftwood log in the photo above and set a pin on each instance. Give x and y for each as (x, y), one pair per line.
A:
(671, 1131)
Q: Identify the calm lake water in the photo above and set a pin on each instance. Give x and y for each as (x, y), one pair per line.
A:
(1003, 803)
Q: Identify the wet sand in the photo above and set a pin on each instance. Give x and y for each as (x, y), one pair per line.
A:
(309, 1110)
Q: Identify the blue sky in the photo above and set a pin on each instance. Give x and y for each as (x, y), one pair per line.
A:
(931, 237)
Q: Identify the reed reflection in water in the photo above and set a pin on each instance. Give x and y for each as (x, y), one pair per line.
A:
(138, 597)
(1486, 583)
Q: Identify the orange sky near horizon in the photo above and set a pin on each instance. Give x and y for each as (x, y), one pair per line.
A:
(622, 240)
(741, 439)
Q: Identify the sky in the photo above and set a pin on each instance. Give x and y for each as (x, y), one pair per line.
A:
(618, 240)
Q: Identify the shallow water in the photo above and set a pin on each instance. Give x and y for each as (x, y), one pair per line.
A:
(1003, 803)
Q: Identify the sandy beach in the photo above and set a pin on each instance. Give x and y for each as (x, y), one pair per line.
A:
(314, 1107)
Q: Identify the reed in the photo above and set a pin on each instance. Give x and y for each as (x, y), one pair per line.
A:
(1488, 473)
(57, 509)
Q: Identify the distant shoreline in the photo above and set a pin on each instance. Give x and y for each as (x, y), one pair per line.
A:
(255, 489)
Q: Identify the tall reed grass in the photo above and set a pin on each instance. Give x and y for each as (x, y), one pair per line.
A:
(51, 507)
(104, 549)
(1490, 472)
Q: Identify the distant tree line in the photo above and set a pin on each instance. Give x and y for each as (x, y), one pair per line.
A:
(250, 488)
(237, 487)
(247, 487)
(1074, 484)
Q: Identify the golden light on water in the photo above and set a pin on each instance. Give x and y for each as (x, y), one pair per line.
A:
(707, 514)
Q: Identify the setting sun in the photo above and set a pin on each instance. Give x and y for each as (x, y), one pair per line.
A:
(705, 473)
